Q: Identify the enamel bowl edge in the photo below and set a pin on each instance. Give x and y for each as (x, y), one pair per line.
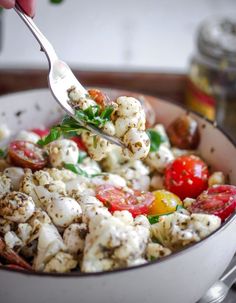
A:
(182, 277)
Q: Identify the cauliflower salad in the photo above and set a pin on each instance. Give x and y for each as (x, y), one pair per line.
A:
(71, 201)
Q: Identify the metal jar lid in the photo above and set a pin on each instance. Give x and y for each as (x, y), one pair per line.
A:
(217, 39)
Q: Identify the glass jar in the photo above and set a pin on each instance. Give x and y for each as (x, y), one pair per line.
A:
(211, 87)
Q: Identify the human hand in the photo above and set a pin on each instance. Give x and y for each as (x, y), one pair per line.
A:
(27, 5)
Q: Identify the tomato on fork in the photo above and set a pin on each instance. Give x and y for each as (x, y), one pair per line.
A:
(218, 200)
(99, 97)
(27, 155)
(116, 198)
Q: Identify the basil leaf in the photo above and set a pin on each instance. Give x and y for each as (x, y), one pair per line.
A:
(106, 113)
(56, 1)
(76, 169)
(55, 133)
(156, 139)
(82, 156)
(154, 219)
(3, 153)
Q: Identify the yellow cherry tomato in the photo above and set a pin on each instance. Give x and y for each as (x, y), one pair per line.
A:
(165, 202)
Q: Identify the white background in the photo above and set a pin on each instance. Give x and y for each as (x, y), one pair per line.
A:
(106, 34)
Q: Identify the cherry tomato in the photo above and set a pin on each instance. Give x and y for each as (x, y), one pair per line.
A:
(79, 142)
(186, 176)
(165, 202)
(41, 132)
(99, 97)
(219, 200)
(135, 201)
(26, 154)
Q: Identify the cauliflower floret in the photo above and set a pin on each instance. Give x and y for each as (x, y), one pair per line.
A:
(111, 179)
(43, 177)
(4, 132)
(157, 182)
(138, 144)
(155, 251)
(128, 106)
(17, 207)
(112, 242)
(28, 136)
(92, 210)
(63, 211)
(109, 128)
(177, 230)
(16, 175)
(5, 185)
(49, 244)
(63, 151)
(12, 240)
(79, 100)
(38, 219)
(123, 124)
(61, 262)
(135, 173)
(24, 232)
(74, 237)
(217, 178)
(90, 166)
(159, 159)
(63, 175)
(6, 225)
(97, 147)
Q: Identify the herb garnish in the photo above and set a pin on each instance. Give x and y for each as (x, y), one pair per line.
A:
(75, 168)
(93, 116)
(154, 219)
(156, 139)
(70, 127)
(3, 153)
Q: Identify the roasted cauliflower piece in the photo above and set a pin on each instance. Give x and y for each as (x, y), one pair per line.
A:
(178, 230)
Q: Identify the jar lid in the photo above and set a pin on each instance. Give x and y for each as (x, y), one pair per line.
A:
(217, 39)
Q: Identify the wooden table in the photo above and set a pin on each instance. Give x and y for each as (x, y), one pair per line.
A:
(167, 86)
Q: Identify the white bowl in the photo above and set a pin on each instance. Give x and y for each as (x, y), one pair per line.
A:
(179, 278)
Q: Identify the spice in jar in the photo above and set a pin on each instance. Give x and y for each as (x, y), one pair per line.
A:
(211, 88)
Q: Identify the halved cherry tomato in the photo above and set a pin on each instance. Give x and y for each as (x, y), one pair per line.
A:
(115, 198)
(99, 97)
(79, 142)
(186, 176)
(218, 200)
(41, 132)
(165, 202)
(26, 154)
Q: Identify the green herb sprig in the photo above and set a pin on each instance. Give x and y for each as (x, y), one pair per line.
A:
(154, 219)
(3, 153)
(156, 139)
(71, 127)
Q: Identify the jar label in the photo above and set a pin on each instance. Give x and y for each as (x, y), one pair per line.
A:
(200, 102)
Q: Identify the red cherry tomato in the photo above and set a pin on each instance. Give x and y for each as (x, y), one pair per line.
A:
(79, 142)
(26, 154)
(41, 132)
(115, 198)
(186, 176)
(99, 97)
(219, 200)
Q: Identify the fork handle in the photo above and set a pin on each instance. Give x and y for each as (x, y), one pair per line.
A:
(46, 46)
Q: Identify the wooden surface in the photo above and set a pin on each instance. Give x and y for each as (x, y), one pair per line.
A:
(167, 86)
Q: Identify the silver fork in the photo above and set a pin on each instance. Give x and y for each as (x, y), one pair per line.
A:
(61, 78)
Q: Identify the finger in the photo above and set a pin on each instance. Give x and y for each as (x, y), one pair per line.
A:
(7, 3)
(28, 6)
